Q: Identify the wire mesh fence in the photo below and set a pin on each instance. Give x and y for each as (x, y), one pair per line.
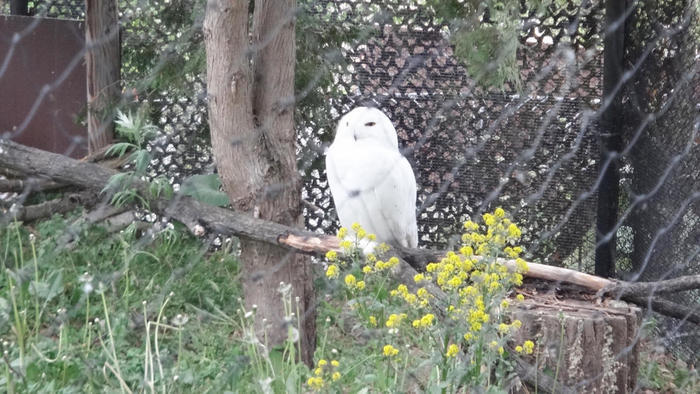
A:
(533, 147)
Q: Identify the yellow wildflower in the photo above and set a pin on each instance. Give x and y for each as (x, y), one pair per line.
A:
(500, 350)
(519, 349)
(517, 279)
(410, 298)
(356, 227)
(422, 293)
(390, 351)
(431, 267)
(318, 371)
(516, 323)
(331, 255)
(346, 244)
(427, 320)
(503, 328)
(418, 278)
(466, 251)
(499, 212)
(371, 257)
(528, 346)
(342, 232)
(470, 226)
(382, 248)
(316, 383)
(394, 320)
(522, 265)
(373, 321)
(514, 231)
(489, 219)
(452, 350)
(455, 281)
(520, 297)
(392, 262)
(322, 362)
(468, 336)
(350, 280)
(361, 233)
(367, 269)
(371, 237)
(332, 271)
(335, 376)
(335, 363)
(360, 285)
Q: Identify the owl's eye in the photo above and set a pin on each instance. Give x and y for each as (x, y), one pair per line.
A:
(370, 124)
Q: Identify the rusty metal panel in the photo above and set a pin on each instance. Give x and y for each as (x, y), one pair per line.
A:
(42, 83)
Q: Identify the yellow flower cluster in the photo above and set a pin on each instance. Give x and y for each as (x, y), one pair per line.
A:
(425, 321)
(452, 350)
(390, 351)
(528, 347)
(381, 265)
(352, 283)
(421, 297)
(332, 271)
(395, 319)
(322, 373)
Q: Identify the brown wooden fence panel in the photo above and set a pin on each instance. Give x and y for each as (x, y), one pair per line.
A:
(42, 83)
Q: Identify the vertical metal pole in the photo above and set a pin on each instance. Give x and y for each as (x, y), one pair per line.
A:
(19, 7)
(610, 137)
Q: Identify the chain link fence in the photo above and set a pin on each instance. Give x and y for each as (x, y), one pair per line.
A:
(533, 149)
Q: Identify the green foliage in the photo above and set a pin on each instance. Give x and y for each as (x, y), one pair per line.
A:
(453, 329)
(205, 188)
(486, 35)
(110, 303)
(136, 131)
(163, 44)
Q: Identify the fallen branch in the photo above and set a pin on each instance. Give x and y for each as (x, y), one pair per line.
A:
(34, 184)
(195, 215)
(640, 289)
(666, 307)
(45, 209)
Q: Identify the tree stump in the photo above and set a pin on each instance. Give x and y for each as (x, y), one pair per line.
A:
(587, 346)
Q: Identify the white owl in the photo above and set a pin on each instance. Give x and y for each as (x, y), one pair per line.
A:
(371, 182)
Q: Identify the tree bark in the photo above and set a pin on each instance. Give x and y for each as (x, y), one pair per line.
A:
(250, 91)
(102, 62)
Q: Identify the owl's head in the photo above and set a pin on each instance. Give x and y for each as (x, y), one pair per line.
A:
(366, 124)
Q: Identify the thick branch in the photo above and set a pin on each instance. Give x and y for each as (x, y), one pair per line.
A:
(21, 185)
(193, 214)
(666, 307)
(640, 289)
(45, 209)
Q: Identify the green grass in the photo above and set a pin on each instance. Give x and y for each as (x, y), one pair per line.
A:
(75, 319)
(130, 312)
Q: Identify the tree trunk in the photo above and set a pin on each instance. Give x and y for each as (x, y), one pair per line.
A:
(250, 91)
(587, 348)
(102, 62)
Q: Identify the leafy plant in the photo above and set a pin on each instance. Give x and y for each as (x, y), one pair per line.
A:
(205, 188)
(136, 132)
(466, 339)
(486, 35)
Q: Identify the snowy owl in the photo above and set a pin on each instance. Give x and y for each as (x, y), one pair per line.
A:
(370, 181)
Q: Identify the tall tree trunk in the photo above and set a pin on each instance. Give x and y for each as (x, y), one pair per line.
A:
(250, 91)
(103, 66)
